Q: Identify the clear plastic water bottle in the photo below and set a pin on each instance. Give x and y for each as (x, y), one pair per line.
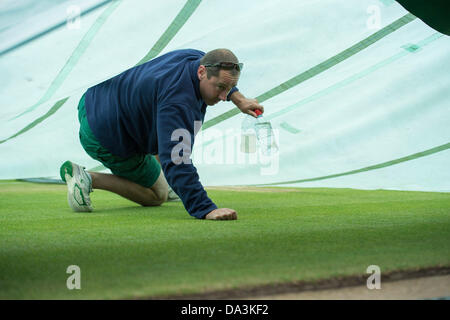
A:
(257, 131)
(265, 135)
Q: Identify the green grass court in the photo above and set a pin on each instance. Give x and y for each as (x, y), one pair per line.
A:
(281, 235)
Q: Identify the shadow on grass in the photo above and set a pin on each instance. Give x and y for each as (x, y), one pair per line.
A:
(173, 211)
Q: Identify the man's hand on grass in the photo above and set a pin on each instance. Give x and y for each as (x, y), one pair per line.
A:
(222, 214)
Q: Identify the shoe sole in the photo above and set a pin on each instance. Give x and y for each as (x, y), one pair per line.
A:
(73, 188)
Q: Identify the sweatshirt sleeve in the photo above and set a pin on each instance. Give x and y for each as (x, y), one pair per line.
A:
(176, 126)
(234, 89)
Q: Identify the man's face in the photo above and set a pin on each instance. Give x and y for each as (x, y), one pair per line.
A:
(216, 88)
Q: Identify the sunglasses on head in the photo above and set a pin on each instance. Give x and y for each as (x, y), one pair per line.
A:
(227, 65)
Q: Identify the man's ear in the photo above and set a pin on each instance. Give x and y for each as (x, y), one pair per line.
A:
(201, 72)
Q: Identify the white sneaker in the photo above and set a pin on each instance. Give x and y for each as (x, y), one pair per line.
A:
(79, 185)
(172, 196)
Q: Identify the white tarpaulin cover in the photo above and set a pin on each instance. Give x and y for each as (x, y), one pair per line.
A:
(357, 91)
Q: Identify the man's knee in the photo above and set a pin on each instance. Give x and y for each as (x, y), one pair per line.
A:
(156, 197)
(160, 189)
(161, 195)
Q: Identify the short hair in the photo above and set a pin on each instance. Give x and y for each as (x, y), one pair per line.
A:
(216, 56)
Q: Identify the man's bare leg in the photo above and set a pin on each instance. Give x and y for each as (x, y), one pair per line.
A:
(153, 196)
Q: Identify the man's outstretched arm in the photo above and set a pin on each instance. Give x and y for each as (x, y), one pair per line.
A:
(175, 142)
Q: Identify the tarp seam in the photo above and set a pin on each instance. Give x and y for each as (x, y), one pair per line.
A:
(365, 169)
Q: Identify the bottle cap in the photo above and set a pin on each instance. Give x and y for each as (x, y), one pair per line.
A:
(258, 112)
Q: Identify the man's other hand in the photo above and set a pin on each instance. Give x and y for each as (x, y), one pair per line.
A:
(222, 214)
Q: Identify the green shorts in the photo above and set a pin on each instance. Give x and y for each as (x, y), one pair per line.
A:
(142, 169)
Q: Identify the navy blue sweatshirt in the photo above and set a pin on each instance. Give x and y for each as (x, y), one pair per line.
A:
(137, 111)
